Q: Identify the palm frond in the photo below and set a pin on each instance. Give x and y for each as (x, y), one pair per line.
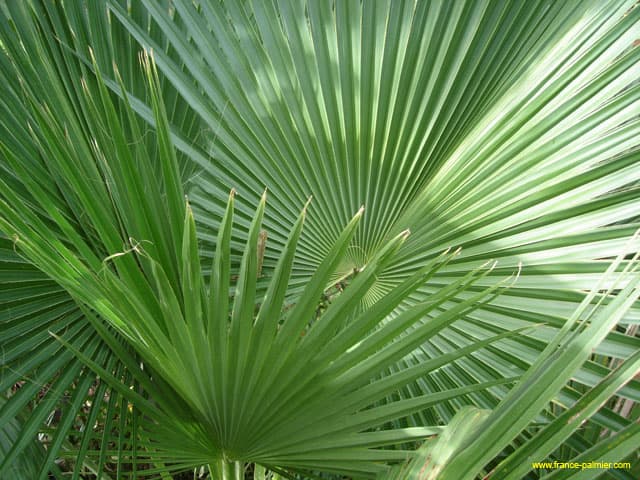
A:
(506, 128)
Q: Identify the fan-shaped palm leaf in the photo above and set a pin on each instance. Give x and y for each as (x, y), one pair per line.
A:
(509, 128)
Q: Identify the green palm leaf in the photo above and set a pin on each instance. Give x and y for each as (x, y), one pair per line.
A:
(164, 315)
(507, 128)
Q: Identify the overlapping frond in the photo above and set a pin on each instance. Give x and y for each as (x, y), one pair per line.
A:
(507, 128)
(290, 390)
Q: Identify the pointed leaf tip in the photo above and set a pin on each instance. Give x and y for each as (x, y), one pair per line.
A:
(306, 205)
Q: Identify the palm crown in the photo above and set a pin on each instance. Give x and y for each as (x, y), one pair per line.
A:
(482, 304)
